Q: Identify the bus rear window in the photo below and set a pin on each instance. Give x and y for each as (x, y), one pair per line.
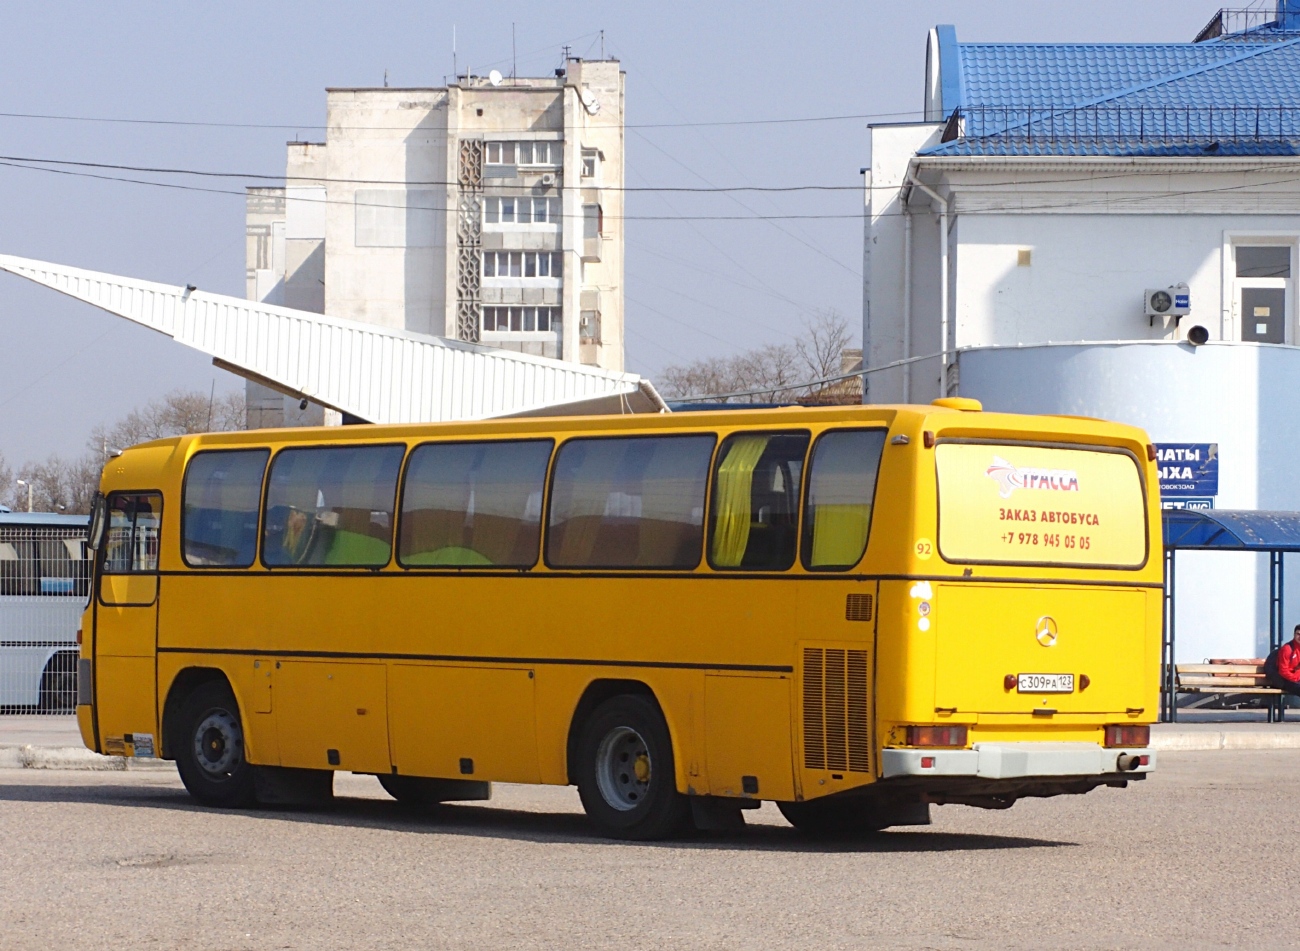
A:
(1022, 504)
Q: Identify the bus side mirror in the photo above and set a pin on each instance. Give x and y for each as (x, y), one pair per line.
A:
(98, 518)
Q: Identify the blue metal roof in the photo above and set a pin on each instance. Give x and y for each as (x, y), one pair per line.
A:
(1006, 74)
(1236, 94)
(1229, 530)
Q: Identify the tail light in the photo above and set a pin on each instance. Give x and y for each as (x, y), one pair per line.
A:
(78, 637)
(1127, 735)
(936, 736)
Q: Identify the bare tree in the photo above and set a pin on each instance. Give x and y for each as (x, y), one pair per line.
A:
(177, 413)
(821, 348)
(6, 484)
(52, 487)
(69, 485)
(768, 374)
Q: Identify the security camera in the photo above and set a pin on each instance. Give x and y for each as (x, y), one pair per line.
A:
(303, 404)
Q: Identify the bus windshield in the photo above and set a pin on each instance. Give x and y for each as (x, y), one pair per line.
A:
(1024, 504)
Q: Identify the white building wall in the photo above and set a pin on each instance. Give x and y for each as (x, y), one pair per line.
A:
(887, 294)
(1086, 274)
(387, 161)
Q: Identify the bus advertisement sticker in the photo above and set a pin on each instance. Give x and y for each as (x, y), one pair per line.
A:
(143, 744)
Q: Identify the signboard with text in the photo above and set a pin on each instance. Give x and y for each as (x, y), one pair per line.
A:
(1189, 474)
(1040, 505)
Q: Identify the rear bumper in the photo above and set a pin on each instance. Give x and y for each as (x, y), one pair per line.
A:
(1016, 761)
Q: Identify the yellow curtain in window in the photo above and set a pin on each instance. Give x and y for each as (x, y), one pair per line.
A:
(732, 502)
(840, 534)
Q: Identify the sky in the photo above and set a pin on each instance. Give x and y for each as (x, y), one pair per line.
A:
(694, 288)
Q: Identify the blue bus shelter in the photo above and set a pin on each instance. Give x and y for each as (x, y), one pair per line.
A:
(1271, 533)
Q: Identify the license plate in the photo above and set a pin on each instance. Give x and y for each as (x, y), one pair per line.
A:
(1045, 683)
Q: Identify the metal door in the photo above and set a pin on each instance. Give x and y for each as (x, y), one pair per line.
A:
(1263, 314)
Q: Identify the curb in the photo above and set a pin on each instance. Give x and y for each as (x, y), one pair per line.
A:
(71, 757)
(1208, 740)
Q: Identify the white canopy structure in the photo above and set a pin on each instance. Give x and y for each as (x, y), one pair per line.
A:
(372, 373)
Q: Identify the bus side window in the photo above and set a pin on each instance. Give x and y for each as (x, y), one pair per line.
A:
(131, 542)
(841, 494)
(629, 502)
(756, 487)
(17, 565)
(473, 504)
(223, 493)
(331, 505)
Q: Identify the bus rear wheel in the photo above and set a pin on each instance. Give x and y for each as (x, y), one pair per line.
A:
(626, 775)
(209, 745)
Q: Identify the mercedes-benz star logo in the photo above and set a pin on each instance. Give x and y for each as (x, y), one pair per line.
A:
(1046, 631)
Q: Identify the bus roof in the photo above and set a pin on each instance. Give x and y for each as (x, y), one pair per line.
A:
(940, 417)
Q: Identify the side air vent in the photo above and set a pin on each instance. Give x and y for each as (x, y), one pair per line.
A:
(857, 607)
(836, 726)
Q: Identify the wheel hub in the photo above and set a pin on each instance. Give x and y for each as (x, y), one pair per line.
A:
(623, 769)
(218, 744)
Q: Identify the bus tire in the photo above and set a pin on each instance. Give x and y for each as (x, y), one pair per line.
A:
(209, 745)
(833, 818)
(59, 684)
(627, 779)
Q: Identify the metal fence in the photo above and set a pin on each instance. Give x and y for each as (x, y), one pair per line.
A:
(44, 585)
(1244, 24)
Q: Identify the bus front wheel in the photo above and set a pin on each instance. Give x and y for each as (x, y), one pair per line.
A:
(209, 745)
(626, 776)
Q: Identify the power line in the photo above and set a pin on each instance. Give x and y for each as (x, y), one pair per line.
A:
(633, 189)
(176, 186)
(205, 173)
(1108, 199)
(307, 126)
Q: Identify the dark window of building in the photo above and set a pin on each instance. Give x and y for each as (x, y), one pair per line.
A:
(756, 490)
(331, 506)
(223, 494)
(1263, 262)
(629, 502)
(473, 504)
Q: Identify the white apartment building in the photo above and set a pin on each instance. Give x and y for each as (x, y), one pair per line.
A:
(489, 211)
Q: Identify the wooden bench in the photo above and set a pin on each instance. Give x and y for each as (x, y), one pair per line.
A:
(1226, 678)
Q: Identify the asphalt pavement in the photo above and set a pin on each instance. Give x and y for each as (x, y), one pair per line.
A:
(1202, 854)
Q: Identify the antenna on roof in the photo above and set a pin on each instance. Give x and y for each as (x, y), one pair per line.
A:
(455, 75)
(602, 44)
(514, 58)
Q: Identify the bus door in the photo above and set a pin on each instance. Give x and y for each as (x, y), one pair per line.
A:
(126, 628)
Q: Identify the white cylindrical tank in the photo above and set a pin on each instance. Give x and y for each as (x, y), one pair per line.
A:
(1242, 396)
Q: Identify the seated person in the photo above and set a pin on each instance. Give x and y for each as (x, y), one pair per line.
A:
(1283, 665)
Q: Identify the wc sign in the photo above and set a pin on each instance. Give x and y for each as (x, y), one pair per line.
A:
(1189, 474)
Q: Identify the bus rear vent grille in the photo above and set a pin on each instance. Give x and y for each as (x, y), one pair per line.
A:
(836, 734)
(857, 607)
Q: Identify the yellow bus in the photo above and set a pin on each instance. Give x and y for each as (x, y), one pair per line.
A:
(854, 612)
